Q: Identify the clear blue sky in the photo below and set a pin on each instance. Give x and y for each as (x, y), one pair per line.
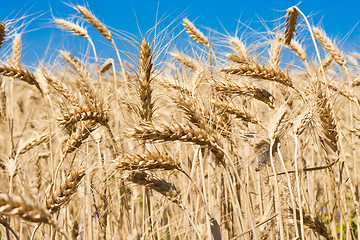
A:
(337, 17)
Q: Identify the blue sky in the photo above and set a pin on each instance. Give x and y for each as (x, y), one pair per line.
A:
(338, 18)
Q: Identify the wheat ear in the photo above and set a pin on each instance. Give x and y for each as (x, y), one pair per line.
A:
(186, 60)
(77, 137)
(313, 223)
(107, 65)
(67, 189)
(159, 185)
(149, 161)
(292, 15)
(255, 70)
(16, 51)
(195, 33)
(60, 89)
(298, 49)
(12, 205)
(20, 74)
(85, 76)
(95, 22)
(73, 27)
(178, 132)
(328, 122)
(241, 114)
(241, 49)
(2, 33)
(244, 88)
(302, 121)
(274, 53)
(329, 46)
(69, 119)
(35, 142)
(144, 81)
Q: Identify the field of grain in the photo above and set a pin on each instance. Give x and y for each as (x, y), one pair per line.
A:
(229, 138)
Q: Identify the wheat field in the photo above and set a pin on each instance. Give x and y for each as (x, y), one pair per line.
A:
(229, 138)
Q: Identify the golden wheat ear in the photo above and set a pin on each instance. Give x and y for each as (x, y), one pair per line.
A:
(2, 33)
(329, 46)
(67, 189)
(157, 184)
(292, 15)
(21, 74)
(195, 33)
(72, 27)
